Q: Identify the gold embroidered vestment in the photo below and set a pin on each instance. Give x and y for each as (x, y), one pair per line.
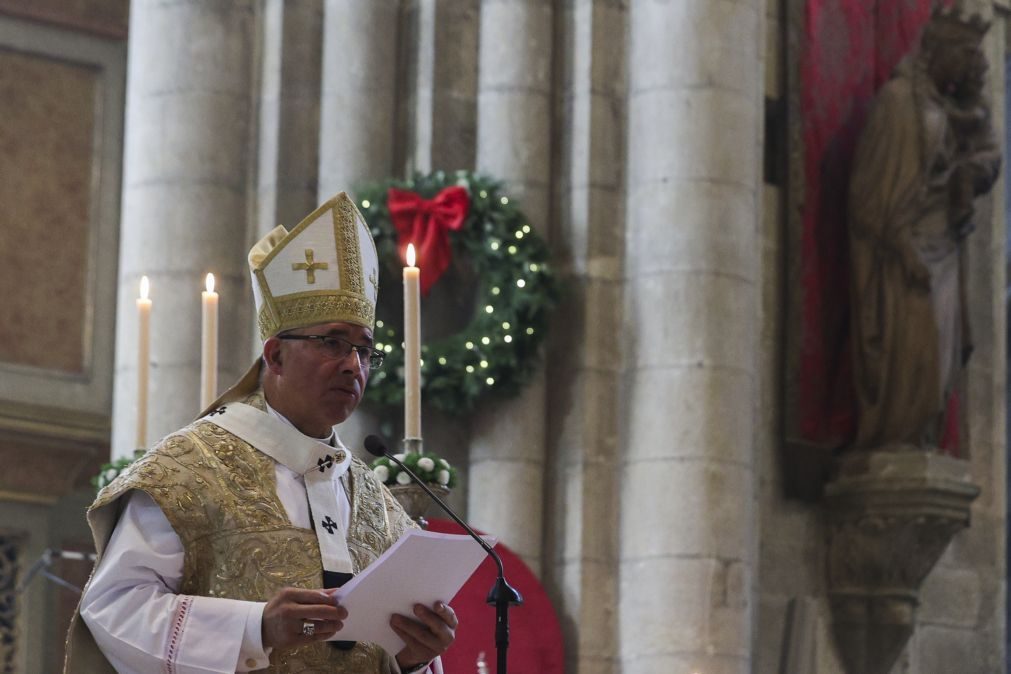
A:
(219, 494)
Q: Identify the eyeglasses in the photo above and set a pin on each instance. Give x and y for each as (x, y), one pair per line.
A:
(338, 348)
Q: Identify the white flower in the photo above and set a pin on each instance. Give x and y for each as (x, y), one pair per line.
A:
(399, 457)
(403, 478)
(443, 477)
(425, 463)
(444, 463)
(382, 472)
(110, 474)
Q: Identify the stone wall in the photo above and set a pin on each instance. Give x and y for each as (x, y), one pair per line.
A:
(62, 67)
(644, 476)
(643, 467)
(961, 618)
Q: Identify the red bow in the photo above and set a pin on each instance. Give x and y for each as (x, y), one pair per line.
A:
(426, 224)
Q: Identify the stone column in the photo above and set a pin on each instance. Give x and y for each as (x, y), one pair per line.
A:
(184, 200)
(688, 529)
(581, 562)
(358, 115)
(359, 101)
(514, 144)
(443, 120)
(289, 112)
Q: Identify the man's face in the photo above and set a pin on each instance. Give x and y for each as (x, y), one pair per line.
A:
(317, 390)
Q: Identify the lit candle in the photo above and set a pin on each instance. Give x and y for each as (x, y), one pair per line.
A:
(412, 348)
(209, 346)
(143, 359)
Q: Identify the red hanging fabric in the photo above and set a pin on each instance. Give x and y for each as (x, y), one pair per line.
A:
(849, 49)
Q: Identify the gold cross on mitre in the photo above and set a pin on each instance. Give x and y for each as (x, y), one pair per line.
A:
(309, 266)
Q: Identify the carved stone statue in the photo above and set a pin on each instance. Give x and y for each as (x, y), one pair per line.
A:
(926, 153)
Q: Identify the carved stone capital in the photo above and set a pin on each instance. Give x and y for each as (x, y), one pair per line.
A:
(892, 513)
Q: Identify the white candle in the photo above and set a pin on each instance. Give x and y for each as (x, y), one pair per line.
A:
(412, 347)
(209, 346)
(143, 359)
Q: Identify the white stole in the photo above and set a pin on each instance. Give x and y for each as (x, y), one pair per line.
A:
(317, 462)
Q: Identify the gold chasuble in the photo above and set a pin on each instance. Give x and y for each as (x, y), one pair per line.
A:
(219, 494)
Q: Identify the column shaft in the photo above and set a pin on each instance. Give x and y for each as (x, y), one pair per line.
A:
(289, 112)
(184, 200)
(514, 144)
(359, 102)
(687, 523)
(444, 110)
(587, 336)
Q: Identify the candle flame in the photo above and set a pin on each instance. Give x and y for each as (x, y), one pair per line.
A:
(145, 287)
(410, 255)
(209, 283)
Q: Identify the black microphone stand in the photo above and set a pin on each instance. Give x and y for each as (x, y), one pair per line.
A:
(43, 564)
(502, 595)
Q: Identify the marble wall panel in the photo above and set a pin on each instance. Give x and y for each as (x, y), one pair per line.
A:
(46, 150)
(109, 18)
(61, 112)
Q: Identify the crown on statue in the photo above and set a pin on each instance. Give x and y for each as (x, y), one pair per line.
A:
(956, 21)
(325, 270)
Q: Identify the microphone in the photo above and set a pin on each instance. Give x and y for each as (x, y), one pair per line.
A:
(502, 595)
(375, 446)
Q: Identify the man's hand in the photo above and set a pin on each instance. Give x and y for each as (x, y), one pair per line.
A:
(287, 611)
(427, 635)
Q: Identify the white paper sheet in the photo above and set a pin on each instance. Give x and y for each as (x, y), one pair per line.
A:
(423, 567)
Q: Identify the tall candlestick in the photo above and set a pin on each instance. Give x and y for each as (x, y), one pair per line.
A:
(209, 345)
(143, 359)
(412, 347)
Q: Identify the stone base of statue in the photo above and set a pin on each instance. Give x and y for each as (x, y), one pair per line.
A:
(415, 501)
(892, 513)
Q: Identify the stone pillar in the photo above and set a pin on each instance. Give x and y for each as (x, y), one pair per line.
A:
(581, 569)
(442, 128)
(358, 116)
(184, 214)
(289, 112)
(688, 529)
(359, 101)
(514, 144)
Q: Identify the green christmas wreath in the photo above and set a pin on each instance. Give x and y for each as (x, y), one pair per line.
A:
(497, 350)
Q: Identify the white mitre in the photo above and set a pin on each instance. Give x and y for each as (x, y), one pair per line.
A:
(325, 270)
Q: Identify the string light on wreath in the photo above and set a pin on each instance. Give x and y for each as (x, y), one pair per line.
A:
(497, 349)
